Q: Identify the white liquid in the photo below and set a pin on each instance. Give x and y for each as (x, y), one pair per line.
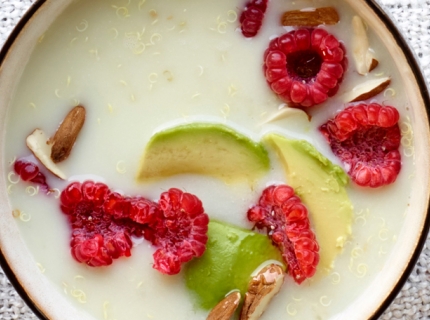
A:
(198, 66)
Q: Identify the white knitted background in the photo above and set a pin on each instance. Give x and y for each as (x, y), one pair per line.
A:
(413, 302)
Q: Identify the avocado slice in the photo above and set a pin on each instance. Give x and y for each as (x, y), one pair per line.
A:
(203, 148)
(232, 255)
(321, 186)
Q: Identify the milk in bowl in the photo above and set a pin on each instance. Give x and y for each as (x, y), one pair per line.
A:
(183, 99)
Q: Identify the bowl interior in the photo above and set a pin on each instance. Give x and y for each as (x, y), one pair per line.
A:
(402, 239)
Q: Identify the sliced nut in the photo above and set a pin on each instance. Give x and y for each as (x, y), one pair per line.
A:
(311, 17)
(368, 89)
(262, 288)
(373, 64)
(225, 309)
(363, 56)
(37, 143)
(65, 137)
(286, 112)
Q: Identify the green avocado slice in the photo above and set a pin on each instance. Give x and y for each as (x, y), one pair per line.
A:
(321, 186)
(231, 256)
(202, 148)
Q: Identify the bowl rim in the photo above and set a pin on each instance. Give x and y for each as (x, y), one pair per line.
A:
(423, 86)
(412, 60)
(31, 11)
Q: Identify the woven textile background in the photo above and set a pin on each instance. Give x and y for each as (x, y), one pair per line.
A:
(413, 302)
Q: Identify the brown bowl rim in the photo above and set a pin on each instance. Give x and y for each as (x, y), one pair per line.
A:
(421, 82)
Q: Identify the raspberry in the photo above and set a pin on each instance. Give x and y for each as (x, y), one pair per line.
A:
(304, 67)
(285, 218)
(142, 210)
(104, 221)
(366, 138)
(138, 209)
(252, 16)
(29, 171)
(180, 230)
(97, 237)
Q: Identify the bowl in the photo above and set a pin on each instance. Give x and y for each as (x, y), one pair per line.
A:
(39, 68)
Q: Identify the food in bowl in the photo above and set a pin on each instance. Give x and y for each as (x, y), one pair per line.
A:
(198, 121)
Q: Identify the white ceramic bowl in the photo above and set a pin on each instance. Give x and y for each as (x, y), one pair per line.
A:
(18, 263)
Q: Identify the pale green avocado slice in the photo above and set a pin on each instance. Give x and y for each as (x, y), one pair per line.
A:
(232, 255)
(321, 186)
(200, 148)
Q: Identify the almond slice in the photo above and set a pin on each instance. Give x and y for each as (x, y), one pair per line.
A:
(65, 137)
(368, 89)
(225, 309)
(363, 56)
(286, 112)
(310, 17)
(37, 143)
(262, 288)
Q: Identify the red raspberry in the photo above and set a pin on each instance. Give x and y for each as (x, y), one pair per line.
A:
(103, 221)
(252, 16)
(97, 237)
(180, 230)
(117, 205)
(286, 221)
(142, 210)
(304, 67)
(29, 171)
(367, 139)
(138, 209)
